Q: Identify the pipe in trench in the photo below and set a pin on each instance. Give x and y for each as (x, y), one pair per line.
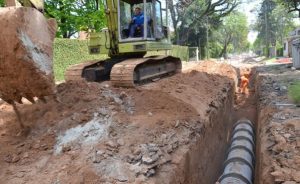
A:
(240, 162)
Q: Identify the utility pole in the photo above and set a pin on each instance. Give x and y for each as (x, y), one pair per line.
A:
(199, 45)
(207, 46)
(266, 9)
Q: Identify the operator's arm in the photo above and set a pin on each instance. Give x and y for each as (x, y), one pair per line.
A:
(132, 21)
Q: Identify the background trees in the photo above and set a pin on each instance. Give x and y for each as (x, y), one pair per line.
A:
(233, 34)
(75, 15)
(202, 23)
(291, 5)
(273, 25)
(212, 25)
(193, 16)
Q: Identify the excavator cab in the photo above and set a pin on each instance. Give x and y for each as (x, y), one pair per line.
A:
(152, 28)
(124, 36)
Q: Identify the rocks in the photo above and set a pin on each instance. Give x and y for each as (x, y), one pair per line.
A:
(278, 122)
(112, 144)
(98, 156)
(26, 155)
(147, 159)
(283, 88)
(11, 158)
(151, 172)
(121, 142)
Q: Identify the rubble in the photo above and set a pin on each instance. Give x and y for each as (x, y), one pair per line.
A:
(277, 129)
(101, 134)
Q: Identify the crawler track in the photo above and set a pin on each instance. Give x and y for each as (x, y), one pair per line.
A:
(137, 70)
(125, 72)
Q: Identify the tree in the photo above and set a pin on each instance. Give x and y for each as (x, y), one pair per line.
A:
(272, 24)
(75, 15)
(2, 3)
(233, 33)
(291, 5)
(188, 15)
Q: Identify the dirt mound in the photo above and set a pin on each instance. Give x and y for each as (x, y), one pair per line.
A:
(278, 140)
(26, 54)
(101, 134)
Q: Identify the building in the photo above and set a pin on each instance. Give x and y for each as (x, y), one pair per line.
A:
(287, 46)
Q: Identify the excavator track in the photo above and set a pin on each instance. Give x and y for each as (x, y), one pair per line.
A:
(124, 72)
(74, 73)
(92, 71)
(134, 71)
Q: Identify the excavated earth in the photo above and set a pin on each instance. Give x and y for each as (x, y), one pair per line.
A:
(25, 54)
(278, 127)
(175, 130)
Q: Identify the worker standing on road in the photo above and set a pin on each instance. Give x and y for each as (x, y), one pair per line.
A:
(137, 23)
(244, 83)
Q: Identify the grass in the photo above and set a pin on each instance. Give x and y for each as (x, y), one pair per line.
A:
(68, 52)
(294, 92)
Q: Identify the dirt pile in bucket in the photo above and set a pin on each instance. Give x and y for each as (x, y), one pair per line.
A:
(26, 54)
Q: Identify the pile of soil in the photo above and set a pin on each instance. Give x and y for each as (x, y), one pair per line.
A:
(278, 127)
(101, 134)
(26, 54)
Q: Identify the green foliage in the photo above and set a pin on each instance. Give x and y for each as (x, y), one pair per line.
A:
(69, 52)
(75, 15)
(191, 18)
(2, 3)
(290, 5)
(273, 25)
(294, 92)
(231, 36)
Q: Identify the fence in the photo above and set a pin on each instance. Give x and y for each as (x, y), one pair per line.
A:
(180, 51)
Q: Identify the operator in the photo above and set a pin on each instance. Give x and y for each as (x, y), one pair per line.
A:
(137, 23)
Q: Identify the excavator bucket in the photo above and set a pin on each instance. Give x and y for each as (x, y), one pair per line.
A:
(26, 54)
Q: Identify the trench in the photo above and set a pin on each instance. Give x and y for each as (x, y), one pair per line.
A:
(203, 163)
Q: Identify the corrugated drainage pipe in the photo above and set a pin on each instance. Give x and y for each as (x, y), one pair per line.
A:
(240, 162)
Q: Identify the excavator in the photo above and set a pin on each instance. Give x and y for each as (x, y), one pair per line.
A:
(127, 65)
(26, 54)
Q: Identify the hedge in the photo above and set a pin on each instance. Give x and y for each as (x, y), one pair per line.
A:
(69, 52)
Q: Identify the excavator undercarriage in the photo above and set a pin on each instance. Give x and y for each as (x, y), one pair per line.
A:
(125, 72)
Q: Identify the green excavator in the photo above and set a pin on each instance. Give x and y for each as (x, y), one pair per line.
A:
(126, 45)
